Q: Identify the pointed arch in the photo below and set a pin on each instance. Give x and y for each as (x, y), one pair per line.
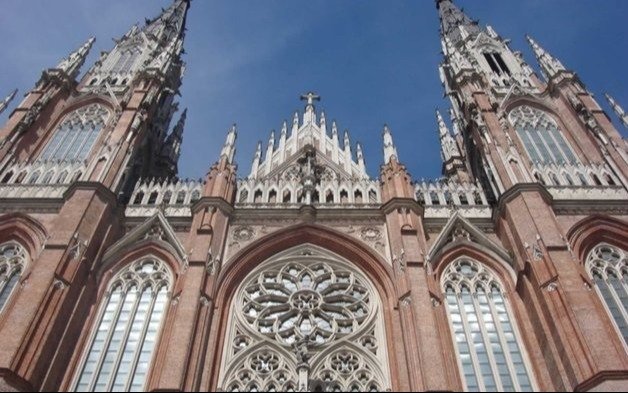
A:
(126, 327)
(588, 232)
(247, 260)
(155, 236)
(24, 230)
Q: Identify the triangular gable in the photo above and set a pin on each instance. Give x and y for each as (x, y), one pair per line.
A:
(322, 158)
(459, 230)
(517, 91)
(156, 229)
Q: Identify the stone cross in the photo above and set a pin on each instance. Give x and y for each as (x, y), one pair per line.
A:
(310, 97)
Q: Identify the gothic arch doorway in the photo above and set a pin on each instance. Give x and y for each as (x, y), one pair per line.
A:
(305, 318)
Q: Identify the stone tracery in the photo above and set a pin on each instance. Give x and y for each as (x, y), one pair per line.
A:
(312, 315)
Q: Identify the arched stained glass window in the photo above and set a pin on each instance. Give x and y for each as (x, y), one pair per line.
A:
(489, 352)
(305, 305)
(124, 338)
(541, 136)
(13, 261)
(75, 137)
(608, 266)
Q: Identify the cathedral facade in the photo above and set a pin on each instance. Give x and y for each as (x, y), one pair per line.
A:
(510, 273)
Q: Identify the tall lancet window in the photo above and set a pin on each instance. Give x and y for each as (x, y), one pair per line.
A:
(541, 136)
(608, 266)
(305, 315)
(124, 338)
(13, 260)
(75, 136)
(490, 355)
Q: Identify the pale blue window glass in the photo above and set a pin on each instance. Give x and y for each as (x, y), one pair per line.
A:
(75, 137)
(13, 260)
(122, 346)
(541, 137)
(608, 267)
(487, 346)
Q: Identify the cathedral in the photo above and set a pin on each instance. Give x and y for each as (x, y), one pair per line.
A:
(306, 273)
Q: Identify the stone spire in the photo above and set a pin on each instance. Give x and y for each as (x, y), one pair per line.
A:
(390, 150)
(347, 150)
(448, 145)
(360, 155)
(550, 65)
(71, 66)
(257, 160)
(170, 23)
(228, 150)
(5, 103)
(269, 151)
(623, 117)
(173, 142)
(455, 25)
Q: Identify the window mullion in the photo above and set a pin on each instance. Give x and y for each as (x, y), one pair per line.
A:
(66, 146)
(558, 144)
(502, 340)
(124, 339)
(107, 341)
(617, 298)
(140, 343)
(487, 343)
(533, 145)
(467, 331)
(543, 133)
(60, 143)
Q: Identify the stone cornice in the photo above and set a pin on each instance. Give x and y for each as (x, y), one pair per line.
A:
(396, 203)
(105, 193)
(516, 191)
(217, 202)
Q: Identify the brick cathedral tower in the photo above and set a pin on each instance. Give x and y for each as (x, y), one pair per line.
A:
(506, 274)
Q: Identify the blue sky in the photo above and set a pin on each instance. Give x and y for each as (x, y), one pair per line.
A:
(373, 62)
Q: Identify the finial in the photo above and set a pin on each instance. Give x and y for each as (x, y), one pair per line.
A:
(72, 65)
(550, 65)
(623, 117)
(310, 97)
(442, 127)
(228, 150)
(390, 150)
(5, 103)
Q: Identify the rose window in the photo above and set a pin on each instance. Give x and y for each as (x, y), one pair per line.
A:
(305, 315)
(297, 301)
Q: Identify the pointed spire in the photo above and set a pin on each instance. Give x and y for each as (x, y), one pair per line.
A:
(5, 103)
(228, 150)
(360, 155)
(170, 23)
(390, 150)
(257, 160)
(550, 65)
(616, 108)
(172, 145)
(442, 127)
(72, 65)
(448, 145)
(348, 155)
(454, 23)
(454, 121)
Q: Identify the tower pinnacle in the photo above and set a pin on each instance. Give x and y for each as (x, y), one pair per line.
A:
(72, 65)
(618, 110)
(454, 23)
(550, 65)
(228, 150)
(5, 103)
(390, 150)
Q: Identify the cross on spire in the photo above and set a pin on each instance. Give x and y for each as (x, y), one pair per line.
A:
(310, 97)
